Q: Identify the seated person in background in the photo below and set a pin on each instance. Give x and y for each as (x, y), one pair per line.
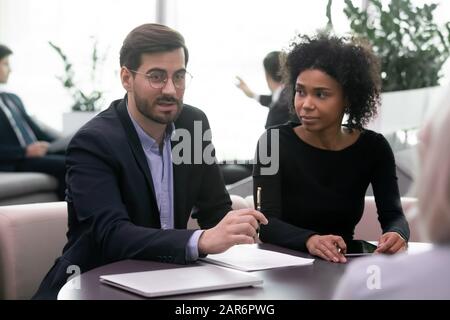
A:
(425, 275)
(130, 192)
(278, 102)
(315, 199)
(23, 144)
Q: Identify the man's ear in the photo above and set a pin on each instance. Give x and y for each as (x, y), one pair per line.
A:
(127, 79)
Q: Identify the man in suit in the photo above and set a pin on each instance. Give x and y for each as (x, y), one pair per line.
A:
(278, 102)
(138, 169)
(23, 144)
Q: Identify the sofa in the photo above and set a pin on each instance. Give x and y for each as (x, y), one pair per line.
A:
(27, 187)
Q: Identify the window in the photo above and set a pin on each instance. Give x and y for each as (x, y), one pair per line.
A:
(225, 38)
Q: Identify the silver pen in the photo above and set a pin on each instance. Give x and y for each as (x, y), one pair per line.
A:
(258, 206)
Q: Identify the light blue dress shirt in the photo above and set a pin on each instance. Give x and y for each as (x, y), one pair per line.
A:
(159, 160)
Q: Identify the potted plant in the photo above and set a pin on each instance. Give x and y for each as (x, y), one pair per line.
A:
(412, 48)
(86, 102)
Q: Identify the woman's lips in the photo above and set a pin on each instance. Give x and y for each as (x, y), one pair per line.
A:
(307, 119)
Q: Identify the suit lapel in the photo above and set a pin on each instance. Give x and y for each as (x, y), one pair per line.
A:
(136, 147)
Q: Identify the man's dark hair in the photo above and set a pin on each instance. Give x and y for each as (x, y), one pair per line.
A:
(4, 51)
(149, 38)
(272, 65)
(350, 62)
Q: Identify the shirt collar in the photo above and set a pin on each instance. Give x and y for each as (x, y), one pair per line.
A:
(276, 94)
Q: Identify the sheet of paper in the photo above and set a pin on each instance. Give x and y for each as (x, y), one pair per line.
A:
(248, 257)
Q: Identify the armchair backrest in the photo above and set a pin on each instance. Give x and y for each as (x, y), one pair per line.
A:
(32, 236)
(369, 228)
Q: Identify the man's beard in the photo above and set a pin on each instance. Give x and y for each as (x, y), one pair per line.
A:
(148, 111)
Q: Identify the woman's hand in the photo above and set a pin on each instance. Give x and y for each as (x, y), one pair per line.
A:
(391, 242)
(330, 247)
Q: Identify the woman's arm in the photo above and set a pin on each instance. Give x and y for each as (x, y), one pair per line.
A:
(276, 231)
(387, 195)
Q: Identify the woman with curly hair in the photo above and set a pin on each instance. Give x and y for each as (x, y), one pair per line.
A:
(316, 197)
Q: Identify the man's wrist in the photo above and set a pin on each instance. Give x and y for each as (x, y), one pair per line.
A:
(201, 245)
(192, 247)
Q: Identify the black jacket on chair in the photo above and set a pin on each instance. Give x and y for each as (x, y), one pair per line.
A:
(10, 148)
(113, 213)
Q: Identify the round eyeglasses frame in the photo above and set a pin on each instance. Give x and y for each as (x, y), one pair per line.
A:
(163, 82)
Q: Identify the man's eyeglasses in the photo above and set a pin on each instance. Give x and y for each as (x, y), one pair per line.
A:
(158, 78)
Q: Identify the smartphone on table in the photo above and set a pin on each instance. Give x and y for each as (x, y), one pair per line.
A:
(357, 248)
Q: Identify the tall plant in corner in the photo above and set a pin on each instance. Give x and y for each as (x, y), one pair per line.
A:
(412, 47)
(83, 100)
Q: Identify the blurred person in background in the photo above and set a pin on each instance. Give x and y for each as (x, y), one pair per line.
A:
(24, 145)
(278, 101)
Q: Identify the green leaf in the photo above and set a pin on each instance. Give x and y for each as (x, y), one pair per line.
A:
(412, 47)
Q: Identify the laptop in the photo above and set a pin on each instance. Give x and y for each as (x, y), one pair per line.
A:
(167, 282)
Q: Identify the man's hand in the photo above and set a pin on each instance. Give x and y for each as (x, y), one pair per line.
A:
(330, 247)
(391, 242)
(237, 227)
(243, 86)
(37, 149)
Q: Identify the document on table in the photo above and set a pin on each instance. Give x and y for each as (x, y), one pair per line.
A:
(248, 257)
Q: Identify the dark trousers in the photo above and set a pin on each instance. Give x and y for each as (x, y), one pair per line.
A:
(52, 164)
(55, 279)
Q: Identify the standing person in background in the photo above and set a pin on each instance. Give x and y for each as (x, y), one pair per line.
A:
(24, 145)
(425, 275)
(278, 101)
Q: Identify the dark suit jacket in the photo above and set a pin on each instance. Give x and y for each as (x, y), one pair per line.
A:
(280, 111)
(113, 213)
(10, 148)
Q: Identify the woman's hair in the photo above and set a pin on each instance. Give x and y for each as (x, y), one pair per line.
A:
(433, 184)
(350, 62)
